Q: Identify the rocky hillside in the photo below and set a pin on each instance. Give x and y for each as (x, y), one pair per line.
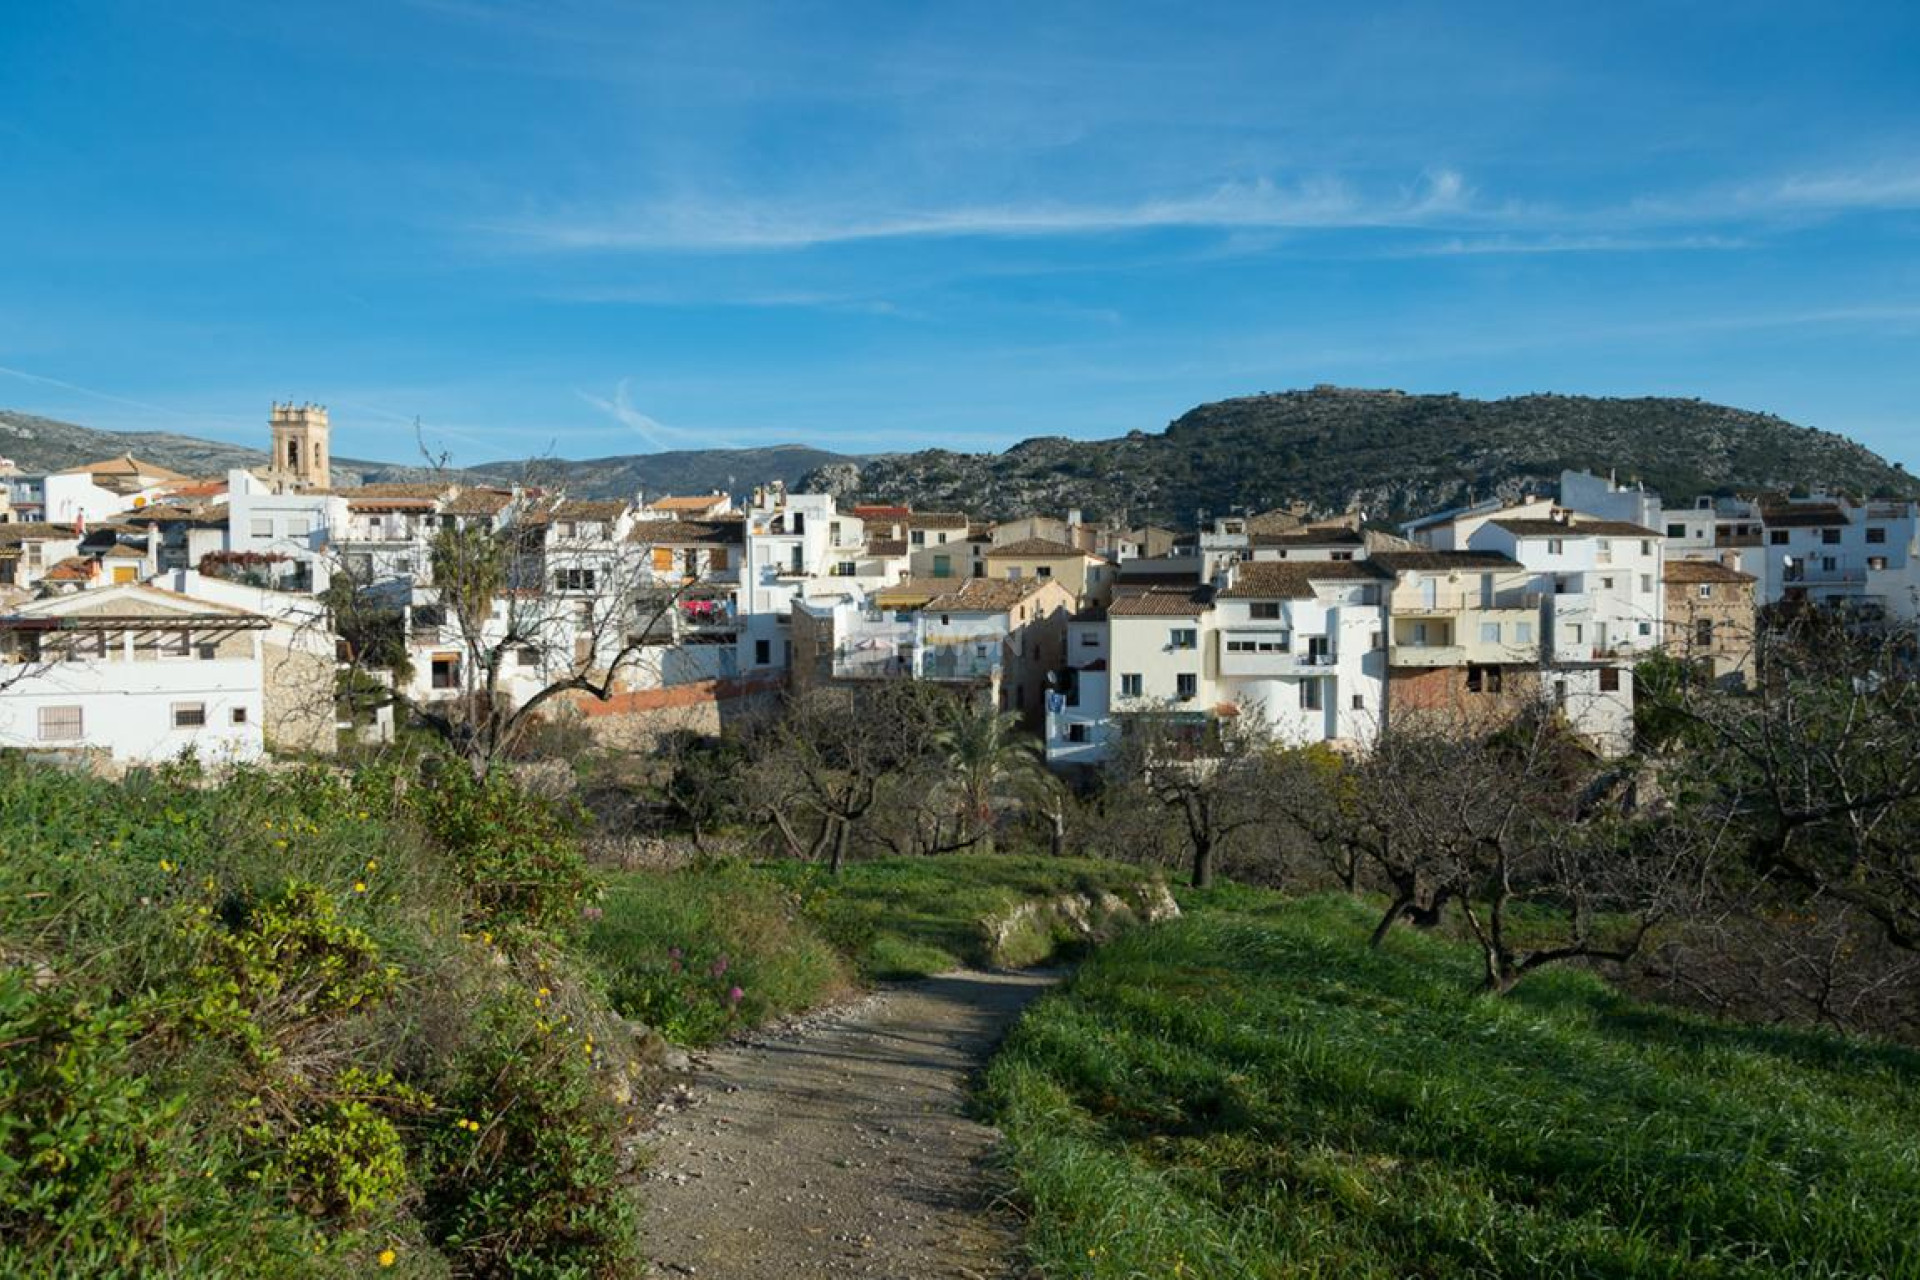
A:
(46, 444)
(1389, 453)
(683, 471)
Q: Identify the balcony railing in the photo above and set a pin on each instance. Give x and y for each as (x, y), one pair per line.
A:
(1427, 655)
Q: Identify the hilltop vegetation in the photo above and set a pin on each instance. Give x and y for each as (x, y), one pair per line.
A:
(1252, 1091)
(1390, 454)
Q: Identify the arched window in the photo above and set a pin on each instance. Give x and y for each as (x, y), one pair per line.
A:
(293, 453)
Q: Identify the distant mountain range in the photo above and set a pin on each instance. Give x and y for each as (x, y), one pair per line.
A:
(1385, 452)
(45, 444)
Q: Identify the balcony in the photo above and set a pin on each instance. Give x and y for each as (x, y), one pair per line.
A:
(1427, 655)
(1248, 654)
(1414, 603)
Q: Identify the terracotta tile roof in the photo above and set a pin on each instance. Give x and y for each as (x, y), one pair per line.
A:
(126, 466)
(34, 531)
(72, 569)
(169, 513)
(1036, 549)
(390, 503)
(958, 595)
(1294, 579)
(687, 533)
(693, 504)
(1269, 522)
(395, 489)
(1309, 538)
(1693, 571)
(1161, 602)
(881, 512)
(477, 502)
(887, 547)
(1803, 515)
(986, 595)
(121, 552)
(937, 520)
(1576, 528)
(1440, 561)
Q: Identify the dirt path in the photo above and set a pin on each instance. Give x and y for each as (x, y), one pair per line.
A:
(839, 1148)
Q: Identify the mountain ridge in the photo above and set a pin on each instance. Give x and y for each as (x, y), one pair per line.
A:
(1386, 452)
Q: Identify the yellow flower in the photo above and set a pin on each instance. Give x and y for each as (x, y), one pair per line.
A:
(165, 865)
(359, 886)
(387, 1257)
(372, 864)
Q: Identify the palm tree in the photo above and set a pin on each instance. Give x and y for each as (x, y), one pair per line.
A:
(983, 749)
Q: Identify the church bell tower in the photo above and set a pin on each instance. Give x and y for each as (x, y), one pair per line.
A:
(300, 445)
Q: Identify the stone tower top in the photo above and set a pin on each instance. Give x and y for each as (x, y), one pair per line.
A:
(300, 445)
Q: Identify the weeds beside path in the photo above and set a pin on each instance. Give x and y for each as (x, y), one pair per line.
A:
(843, 1148)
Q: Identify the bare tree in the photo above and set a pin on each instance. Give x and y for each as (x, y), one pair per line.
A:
(1209, 776)
(1818, 767)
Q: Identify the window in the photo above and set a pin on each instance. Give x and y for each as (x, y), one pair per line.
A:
(1876, 534)
(1646, 628)
(1013, 573)
(1312, 695)
(1777, 537)
(799, 522)
(1359, 702)
(1575, 633)
(1606, 584)
(299, 526)
(563, 529)
(1089, 639)
(1264, 610)
(1706, 591)
(844, 569)
(1703, 632)
(189, 715)
(61, 724)
(1377, 641)
(943, 566)
(833, 532)
(918, 537)
(575, 579)
(446, 671)
(1043, 571)
(1609, 679)
(1676, 531)
(1186, 686)
(1646, 582)
(1183, 638)
(206, 652)
(526, 656)
(1831, 537)
(1826, 564)
(1523, 633)
(261, 526)
(1077, 731)
(1130, 684)
(238, 715)
(1489, 633)
(1646, 546)
(1876, 563)
(717, 560)
(1555, 546)
(762, 652)
(1485, 679)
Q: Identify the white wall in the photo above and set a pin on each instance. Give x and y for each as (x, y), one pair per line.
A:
(127, 707)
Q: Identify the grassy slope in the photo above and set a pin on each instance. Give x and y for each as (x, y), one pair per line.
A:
(1251, 1092)
(676, 946)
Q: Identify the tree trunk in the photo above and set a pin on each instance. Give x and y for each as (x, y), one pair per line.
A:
(1397, 908)
(839, 857)
(1057, 835)
(1202, 864)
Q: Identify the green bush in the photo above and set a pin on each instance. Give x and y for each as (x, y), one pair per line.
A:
(236, 1021)
(676, 948)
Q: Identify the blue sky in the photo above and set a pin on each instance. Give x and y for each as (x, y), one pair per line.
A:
(594, 227)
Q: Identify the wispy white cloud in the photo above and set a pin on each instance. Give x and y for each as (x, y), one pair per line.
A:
(1510, 244)
(1439, 196)
(657, 434)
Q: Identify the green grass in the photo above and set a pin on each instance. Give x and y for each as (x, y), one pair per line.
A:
(1251, 1092)
(676, 945)
(903, 918)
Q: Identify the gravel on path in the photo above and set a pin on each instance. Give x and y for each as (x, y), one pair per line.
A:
(839, 1146)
